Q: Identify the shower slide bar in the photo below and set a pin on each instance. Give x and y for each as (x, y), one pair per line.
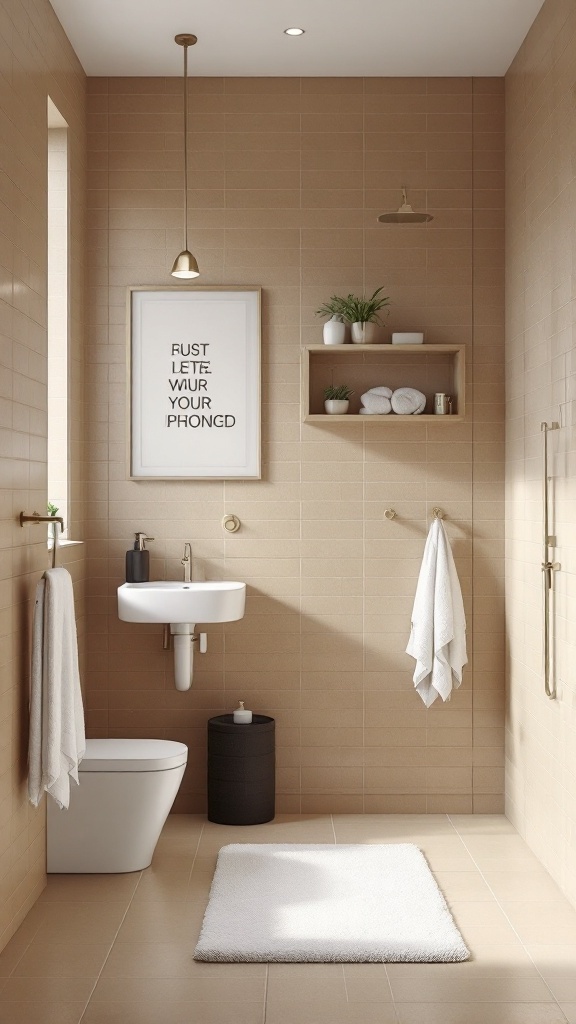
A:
(37, 518)
(548, 567)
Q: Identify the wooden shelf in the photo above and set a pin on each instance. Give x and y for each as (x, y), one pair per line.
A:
(429, 368)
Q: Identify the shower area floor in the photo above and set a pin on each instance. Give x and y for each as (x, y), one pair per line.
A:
(117, 949)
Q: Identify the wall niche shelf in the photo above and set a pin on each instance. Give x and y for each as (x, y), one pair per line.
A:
(429, 368)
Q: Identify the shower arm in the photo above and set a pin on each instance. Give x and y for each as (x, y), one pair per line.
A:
(548, 567)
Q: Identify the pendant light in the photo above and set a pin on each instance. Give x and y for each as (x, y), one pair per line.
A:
(185, 265)
(405, 215)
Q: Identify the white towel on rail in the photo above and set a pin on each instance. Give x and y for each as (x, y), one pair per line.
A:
(57, 741)
(438, 635)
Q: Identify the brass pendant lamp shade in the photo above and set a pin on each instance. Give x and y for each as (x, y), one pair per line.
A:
(185, 265)
(405, 215)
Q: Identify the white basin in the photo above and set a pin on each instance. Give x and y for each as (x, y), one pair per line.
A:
(176, 601)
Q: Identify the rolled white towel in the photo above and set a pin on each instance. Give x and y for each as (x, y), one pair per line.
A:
(408, 401)
(371, 412)
(383, 392)
(377, 401)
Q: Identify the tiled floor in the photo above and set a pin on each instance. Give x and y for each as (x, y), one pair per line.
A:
(117, 949)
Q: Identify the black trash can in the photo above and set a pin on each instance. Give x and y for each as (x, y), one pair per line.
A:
(241, 770)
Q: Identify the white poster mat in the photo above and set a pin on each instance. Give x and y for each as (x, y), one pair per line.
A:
(195, 383)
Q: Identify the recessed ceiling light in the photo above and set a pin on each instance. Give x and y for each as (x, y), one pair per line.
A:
(294, 31)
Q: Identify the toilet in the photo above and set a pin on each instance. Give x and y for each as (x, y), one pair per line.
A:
(117, 813)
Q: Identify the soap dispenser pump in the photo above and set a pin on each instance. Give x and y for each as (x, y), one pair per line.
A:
(241, 715)
(138, 560)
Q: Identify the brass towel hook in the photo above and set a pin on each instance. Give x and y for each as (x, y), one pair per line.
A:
(438, 513)
(37, 518)
(390, 513)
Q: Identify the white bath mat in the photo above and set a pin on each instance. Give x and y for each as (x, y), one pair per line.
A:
(320, 903)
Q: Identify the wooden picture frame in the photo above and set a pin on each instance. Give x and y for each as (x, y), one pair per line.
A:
(194, 383)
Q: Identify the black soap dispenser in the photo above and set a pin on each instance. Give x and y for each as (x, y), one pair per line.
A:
(138, 561)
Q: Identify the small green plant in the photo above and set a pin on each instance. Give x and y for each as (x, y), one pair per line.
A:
(332, 308)
(51, 509)
(341, 393)
(356, 309)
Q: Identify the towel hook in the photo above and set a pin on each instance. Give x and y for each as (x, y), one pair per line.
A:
(390, 513)
(37, 518)
(438, 513)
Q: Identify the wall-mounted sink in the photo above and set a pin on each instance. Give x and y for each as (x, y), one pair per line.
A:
(175, 601)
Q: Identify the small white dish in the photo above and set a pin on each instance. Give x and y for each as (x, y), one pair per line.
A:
(408, 338)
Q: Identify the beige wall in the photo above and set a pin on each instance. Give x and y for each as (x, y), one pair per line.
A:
(35, 60)
(287, 179)
(541, 368)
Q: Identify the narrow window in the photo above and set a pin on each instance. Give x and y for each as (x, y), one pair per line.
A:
(58, 455)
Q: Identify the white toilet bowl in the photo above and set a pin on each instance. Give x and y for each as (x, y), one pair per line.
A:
(117, 813)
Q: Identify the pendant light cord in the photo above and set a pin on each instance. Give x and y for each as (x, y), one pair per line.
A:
(186, 146)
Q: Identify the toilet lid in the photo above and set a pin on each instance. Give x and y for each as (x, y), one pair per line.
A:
(110, 755)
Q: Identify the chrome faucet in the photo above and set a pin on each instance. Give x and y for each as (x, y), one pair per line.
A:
(186, 561)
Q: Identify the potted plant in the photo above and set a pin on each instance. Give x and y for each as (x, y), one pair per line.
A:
(334, 331)
(336, 399)
(363, 314)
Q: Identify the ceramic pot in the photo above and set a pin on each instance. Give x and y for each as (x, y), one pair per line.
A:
(364, 333)
(335, 407)
(334, 332)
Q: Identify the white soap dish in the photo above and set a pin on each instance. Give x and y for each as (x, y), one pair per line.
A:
(408, 338)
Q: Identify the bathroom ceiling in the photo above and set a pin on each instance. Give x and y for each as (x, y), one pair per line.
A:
(246, 37)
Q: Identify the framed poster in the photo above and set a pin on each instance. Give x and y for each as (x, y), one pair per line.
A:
(194, 380)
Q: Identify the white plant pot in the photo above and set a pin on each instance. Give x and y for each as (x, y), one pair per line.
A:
(364, 333)
(336, 407)
(334, 332)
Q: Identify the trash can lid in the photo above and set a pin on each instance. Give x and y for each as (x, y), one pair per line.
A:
(226, 723)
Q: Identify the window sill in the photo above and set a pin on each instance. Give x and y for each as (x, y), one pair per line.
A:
(64, 544)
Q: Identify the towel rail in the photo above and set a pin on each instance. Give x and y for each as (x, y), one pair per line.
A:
(548, 567)
(37, 518)
(437, 513)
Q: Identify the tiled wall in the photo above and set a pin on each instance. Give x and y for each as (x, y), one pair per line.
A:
(541, 379)
(287, 179)
(35, 60)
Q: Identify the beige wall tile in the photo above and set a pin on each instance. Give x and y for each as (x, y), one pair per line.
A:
(23, 376)
(331, 583)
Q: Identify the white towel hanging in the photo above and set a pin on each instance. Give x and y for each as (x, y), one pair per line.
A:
(438, 636)
(57, 741)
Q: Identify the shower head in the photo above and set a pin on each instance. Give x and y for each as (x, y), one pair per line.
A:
(405, 215)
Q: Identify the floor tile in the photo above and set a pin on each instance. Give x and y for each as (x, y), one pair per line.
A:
(312, 988)
(478, 920)
(172, 1012)
(367, 983)
(143, 928)
(41, 1013)
(18, 944)
(554, 961)
(523, 886)
(232, 979)
(501, 853)
(488, 968)
(347, 1013)
(463, 885)
(47, 990)
(97, 922)
(45, 959)
(86, 888)
(162, 921)
(543, 921)
(149, 960)
(480, 1013)
(482, 824)
(452, 989)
